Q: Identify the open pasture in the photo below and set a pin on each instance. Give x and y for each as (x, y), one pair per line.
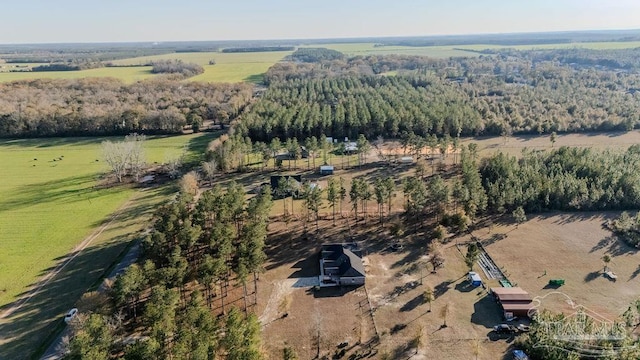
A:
(126, 74)
(229, 67)
(567, 246)
(51, 198)
(445, 51)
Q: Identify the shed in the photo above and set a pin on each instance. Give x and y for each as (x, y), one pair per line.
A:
(514, 301)
(521, 309)
(474, 278)
(326, 170)
(350, 147)
(406, 159)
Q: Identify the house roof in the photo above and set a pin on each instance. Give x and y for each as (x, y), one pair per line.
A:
(507, 290)
(342, 260)
(515, 298)
(296, 180)
(518, 306)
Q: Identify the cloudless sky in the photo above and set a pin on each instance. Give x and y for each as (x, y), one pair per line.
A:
(46, 21)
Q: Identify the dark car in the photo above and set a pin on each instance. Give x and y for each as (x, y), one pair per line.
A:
(505, 329)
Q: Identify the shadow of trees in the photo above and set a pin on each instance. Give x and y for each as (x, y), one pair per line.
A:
(27, 328)
(413, 303)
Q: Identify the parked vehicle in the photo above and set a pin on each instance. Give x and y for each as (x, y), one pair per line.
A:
(505, 329)
(523, 328)
(519, 355)
(70, 315)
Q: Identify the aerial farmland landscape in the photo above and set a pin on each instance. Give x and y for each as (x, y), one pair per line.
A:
(271, 180)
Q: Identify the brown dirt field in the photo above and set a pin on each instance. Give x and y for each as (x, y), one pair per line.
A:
(568, 246)
(394, 293)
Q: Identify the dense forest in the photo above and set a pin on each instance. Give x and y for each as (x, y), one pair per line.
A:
(487, 95)
(106, 106)
(197, 264)
(563, 179)
(176, 67)
(316, 55)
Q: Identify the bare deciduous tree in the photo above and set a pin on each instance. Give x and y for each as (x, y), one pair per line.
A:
(126, 156)
(209, 169)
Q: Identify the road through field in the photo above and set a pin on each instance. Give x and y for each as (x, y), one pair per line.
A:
(77, 251)
(56, 349)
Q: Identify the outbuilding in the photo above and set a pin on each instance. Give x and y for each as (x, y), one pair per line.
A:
(514, 301)
(474, 279)
(326, 170)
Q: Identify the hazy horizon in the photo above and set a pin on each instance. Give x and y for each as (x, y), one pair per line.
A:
(75, 21)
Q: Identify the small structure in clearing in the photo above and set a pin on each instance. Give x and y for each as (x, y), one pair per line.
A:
(514, 301)
(474, 279)
(341, 264)
(326, 170)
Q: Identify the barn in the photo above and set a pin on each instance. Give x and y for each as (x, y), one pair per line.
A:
(514, 301)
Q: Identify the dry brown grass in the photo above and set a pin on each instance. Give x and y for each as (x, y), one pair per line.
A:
(567, 246)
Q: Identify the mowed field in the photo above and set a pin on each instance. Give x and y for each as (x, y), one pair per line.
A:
(249, 67)
(126, 74)
(229, 67)
(47, 208)
(446, 51)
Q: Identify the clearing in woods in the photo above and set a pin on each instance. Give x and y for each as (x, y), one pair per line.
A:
(50, 200)
(392, 306)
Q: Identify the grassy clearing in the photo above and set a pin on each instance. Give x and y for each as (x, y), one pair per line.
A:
(47, 207)
(229, 67)
(459, 50)
(126, 74)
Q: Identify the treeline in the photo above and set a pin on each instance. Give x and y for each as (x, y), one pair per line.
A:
(67, 66)
(368, 105)
(197, 254)
(613, 59)
(106, 106)
(176, 67)
(316, 55)
(258, 49)
(493, 95)
(563, 179)
(358, 65)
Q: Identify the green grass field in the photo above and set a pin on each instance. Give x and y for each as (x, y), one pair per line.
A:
(249, 67)
(453, 50)
(48, 207)
(230, 67)
(126, 74)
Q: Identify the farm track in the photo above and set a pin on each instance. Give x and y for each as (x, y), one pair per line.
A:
(52, 274)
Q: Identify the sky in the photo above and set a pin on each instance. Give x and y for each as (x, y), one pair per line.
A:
(47, 21)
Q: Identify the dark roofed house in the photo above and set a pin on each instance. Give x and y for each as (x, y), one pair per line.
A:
(295, 185)
(341, 264)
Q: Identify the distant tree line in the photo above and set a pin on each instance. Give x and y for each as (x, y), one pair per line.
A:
(316, 54)
(176, 67)
(258, 49)
(66, 66)
(489, 95)
(563, 179)
(106, 106)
